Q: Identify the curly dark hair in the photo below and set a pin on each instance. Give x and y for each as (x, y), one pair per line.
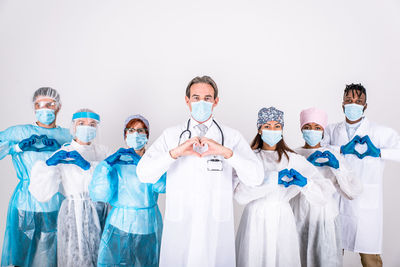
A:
(356, 89)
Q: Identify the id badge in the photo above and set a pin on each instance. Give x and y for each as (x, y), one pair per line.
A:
(214, 165)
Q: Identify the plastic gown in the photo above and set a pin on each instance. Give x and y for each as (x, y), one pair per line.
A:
(80, 220)
(30, 237)
(267, 234)
(132, 235)
(319, 226)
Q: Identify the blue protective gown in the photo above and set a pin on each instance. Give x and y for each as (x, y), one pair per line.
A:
(31, 232)
(132, 235)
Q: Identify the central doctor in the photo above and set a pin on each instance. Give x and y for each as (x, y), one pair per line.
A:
(200, 157)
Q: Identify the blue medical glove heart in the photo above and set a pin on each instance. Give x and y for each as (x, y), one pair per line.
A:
(39, 144)
(116, 157)
(297, 178)
(65, 157)
(332, 160)
(371, 151)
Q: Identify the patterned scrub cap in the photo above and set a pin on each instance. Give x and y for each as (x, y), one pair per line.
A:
(269, 114)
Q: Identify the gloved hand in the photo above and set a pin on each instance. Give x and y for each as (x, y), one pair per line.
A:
(282, 174)
(50, 144)
(332, 160)
(56, 158)
(298, 179)
(78, 160)
(115, 158)
(349, 148)
(27, 144)
(372, 150)
(62, 156)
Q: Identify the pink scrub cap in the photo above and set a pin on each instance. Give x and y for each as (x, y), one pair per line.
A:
(313, 115)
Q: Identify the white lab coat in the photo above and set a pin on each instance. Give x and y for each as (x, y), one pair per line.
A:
(319, 226)
(80, 220)
(198, 225)
(267, 234)
(361, 218)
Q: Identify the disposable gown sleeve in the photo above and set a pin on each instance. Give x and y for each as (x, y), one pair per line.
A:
(248, 168)
(244, 194)
(391, 147)
(346, 181)
(103, 185)
(160, 186)
(155, 162)
(44, 181)
(7, 146)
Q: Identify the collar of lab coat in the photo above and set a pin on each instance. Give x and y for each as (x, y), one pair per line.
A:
(361, 131)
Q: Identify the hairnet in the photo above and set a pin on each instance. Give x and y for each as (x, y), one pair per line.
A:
(46, 92)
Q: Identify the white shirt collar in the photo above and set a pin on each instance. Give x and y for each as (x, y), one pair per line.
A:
(208, 123)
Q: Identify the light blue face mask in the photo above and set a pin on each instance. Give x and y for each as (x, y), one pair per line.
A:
(45, 115)
(353, 112)
(201, 110)
(271, 137)
(136, 141)
(312, 137)
(85, 133)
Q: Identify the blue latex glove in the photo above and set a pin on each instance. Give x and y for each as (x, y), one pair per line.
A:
(349, 148)
(372, 150)
(332, 160)
(27, 144)
(115, 158)
(50, 144)
(298, 179)
(62, 156)
(282, 174)
(56, 158)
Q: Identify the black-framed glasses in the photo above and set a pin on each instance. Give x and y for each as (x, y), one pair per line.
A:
(133, 130)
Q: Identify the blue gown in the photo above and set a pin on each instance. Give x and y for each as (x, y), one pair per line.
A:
(132, 235)
(31, 232)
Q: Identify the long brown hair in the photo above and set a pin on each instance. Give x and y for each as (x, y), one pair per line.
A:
(281, 147)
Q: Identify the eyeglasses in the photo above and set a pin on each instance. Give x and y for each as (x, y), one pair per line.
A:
(133, 130)
(46, 104)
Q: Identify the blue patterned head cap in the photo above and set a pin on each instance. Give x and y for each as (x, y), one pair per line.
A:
(269, 114)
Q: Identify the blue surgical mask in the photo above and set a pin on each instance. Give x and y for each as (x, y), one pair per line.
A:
(45, 115)
(353, 112)
(271, 137)
(201, 110)
(312, 137)
(85, 133)
(136, 141)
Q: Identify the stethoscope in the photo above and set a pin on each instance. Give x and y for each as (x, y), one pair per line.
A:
(190, 133)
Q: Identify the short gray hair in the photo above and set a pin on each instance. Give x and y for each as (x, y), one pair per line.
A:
(203, 79)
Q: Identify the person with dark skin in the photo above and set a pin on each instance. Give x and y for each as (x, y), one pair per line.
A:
(365, 146)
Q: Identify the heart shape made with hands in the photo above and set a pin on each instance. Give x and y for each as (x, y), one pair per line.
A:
(291, 177)
(200, 148)
(41, 143)
(325, 158)
(361, 146)
(127, 157)
(68, 157)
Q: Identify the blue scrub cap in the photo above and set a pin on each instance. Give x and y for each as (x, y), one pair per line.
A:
(140, 117)
(269, 114)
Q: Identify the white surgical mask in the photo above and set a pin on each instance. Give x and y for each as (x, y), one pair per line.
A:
(201, 110)
(271, 137)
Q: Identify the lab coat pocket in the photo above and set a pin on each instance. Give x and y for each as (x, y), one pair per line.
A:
(370, 197)
(174, 206)
(222, 205)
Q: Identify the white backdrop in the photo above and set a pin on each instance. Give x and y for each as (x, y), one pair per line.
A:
(123, 57)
